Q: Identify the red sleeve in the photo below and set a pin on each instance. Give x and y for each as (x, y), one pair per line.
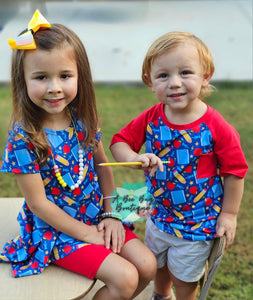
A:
(227, 148)
(134, 134)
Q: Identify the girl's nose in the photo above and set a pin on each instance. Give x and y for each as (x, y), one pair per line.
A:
(174, 82)
(54, 86)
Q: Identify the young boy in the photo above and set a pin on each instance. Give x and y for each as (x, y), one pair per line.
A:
(193, 204)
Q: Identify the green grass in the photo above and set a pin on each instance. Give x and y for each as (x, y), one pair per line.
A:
(117, 105)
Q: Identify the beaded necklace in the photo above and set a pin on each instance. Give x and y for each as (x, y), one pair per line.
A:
(80, 160)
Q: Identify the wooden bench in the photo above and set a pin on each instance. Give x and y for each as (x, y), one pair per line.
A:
(54, 283)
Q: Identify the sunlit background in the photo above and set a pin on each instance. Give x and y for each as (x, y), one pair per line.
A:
(116, 34)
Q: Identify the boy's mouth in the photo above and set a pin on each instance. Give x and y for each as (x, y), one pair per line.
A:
(177, 96)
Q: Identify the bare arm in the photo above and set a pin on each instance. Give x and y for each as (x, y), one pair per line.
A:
(227, 221)
(32, 188)
(105, 175)
(123, 152)
(114, 231)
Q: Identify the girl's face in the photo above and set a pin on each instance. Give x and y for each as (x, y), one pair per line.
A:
(176, 78)
(51, 79)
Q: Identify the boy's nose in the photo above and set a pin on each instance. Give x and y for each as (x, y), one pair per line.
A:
(174, 82)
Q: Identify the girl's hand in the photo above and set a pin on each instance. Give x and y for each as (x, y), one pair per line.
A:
(114, 234)
(94, 236)
(226, 225)
(150, 162)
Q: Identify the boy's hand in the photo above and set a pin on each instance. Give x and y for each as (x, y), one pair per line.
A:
(226, 225)
(114, 234)
(150, 162)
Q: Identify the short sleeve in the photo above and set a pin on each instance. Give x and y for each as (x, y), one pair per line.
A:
(134, 134)
(98, 135)
(227, 148)
(19, 155)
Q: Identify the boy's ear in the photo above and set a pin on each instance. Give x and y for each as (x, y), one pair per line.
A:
(206, 79)
(147, 80)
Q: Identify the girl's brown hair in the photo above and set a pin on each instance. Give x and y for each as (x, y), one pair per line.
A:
(172, 40)
(83, 107)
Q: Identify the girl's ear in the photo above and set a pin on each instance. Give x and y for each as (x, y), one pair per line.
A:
(206, 79)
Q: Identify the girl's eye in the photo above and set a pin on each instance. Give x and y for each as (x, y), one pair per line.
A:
(65, 76)
(41, 77)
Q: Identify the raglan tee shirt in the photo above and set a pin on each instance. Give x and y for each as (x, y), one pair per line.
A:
(188, 193)
(38, 243)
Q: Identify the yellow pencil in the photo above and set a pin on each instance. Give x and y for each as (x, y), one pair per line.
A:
(196, 226)
(178, 233)
(130, 163)
(199, 196)
(68, 200)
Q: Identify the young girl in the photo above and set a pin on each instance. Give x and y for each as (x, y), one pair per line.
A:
(193, 203)
(53, 148)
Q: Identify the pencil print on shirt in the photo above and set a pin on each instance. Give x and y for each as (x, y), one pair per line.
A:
(39, 244)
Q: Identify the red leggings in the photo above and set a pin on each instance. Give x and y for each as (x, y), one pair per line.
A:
(87, 260)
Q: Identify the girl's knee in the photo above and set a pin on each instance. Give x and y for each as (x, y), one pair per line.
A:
(142, 257)
(121, 281)
(120, 276)
(147, 265)
(128, 281)
(148, 269)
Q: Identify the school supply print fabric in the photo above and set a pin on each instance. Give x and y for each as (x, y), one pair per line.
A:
(188, 193)
(38, 243)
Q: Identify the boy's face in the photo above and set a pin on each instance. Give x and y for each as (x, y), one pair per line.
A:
(176, 77)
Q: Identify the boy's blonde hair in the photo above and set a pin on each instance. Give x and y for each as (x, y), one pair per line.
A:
(172, 40)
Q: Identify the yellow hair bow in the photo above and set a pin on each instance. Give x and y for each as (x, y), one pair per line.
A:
(25, 40)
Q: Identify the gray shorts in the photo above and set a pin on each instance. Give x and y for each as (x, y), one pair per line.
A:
(184, 258)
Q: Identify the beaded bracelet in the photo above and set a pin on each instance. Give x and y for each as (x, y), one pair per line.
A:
(109, 197)
(112, 215)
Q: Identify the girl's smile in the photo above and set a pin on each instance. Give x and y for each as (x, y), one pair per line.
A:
(54, 102)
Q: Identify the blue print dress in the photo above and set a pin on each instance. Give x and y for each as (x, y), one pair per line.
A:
(38, 243)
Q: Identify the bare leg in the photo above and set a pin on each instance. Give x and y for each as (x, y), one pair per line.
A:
(184, 290)
(144, 261)
(163, 282)
(120, 278)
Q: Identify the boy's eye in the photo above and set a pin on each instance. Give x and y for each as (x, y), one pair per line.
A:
(163, 75)
(186, 72)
